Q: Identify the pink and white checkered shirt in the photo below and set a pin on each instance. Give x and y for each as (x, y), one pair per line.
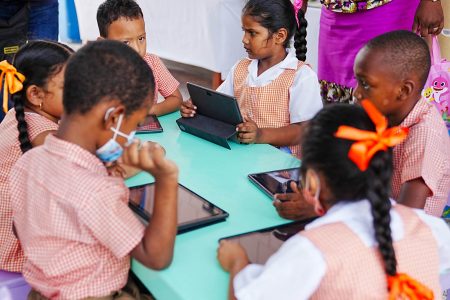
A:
(165, 83)
(425, 153)
(11, 254)
(73, 222)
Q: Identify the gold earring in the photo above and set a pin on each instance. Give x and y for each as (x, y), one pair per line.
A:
(40, 106)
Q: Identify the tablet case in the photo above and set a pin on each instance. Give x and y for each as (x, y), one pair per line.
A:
(216, 118)
(150, 125)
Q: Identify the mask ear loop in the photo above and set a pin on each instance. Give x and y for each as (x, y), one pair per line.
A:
(119, 122)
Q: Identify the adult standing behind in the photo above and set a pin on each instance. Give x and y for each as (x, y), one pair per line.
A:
(347, 25)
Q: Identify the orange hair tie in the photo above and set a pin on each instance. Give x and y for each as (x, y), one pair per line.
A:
(403, 287)
(13, 81)
(369, 142)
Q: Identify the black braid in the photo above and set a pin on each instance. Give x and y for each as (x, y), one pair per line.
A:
(379, 182)
(300, 36)
(22, 127)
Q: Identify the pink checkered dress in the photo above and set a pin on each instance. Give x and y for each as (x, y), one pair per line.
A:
(73, 221)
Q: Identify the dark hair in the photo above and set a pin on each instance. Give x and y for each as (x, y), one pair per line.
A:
(277, 14)
(111, 10)
(103, 70)
(38, 61)
(328, 155)
(404, 52)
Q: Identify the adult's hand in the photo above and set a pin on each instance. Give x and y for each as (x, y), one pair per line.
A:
(429, 18)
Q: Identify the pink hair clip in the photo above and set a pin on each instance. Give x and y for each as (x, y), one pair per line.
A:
(297, 6)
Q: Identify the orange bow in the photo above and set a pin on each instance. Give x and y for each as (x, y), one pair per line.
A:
(369, 142)
(403, 287)
(13, 81)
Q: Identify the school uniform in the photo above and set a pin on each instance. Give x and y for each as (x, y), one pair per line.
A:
(425, 154)
(73, 221)
(165, 83)
(336, 257)
(285, 94)
(11, 254)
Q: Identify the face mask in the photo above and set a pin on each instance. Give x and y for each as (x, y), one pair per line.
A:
(111, 151)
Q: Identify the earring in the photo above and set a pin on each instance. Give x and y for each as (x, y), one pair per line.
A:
(40, 105)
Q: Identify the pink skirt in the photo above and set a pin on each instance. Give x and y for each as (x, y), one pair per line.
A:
(342, 35)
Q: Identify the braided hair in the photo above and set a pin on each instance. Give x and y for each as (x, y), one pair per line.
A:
(38, 61)
(344, 179)
(277, 14)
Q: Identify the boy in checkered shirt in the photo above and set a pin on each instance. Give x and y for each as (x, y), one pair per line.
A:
(123, 20)
(70, 216)
(391, 71)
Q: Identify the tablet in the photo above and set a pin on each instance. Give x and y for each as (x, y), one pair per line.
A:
(193, 210)
(261, 244)
(151, 124)
(276, 182)
(215, 105)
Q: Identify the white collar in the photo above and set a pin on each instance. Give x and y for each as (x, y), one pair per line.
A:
(289, 62)
(343, 211)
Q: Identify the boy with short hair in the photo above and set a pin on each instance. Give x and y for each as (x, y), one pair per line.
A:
(71, 217)
(391, 71)
(123, 20)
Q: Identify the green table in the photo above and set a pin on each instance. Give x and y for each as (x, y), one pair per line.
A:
(219, 175)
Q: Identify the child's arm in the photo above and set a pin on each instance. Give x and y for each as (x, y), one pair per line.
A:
(156, 247)
(170, 104)
(233, 259)
(293, 206)
(414, 193)
(248, 133)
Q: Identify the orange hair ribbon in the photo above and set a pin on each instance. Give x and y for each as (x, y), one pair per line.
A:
(369, 142)
(403, 287)
(12, 79)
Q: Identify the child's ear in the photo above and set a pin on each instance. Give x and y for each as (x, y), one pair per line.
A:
(280, 36)
(112, 114)
(407, 89)
(35, 95)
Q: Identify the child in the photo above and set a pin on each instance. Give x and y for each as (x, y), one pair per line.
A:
(72, 219)
(276, 91)
(122, 20)
(391, 71)
(363, 245)
(39, 75)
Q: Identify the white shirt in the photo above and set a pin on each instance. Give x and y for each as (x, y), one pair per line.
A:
(297, 268)
(304, 101)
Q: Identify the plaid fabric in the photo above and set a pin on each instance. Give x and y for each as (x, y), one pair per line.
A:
(73, 221)
(11, 254)
(165, 83)
(356, 271)
(267, 105)
(425, 153)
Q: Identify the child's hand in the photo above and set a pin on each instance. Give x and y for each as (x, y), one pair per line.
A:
(231, 255)
(188, 109)
(248, 132)
(149, 157)
(115, 170)
(293, 206)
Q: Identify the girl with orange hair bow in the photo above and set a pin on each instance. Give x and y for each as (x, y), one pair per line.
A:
(35, 84)
(363, 245)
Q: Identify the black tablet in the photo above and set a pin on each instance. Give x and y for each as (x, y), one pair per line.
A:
(151, 124)
(276, 182)
(261, 244)
(215, 105)
(193, 210)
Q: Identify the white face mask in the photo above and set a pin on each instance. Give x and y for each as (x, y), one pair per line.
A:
(112, 150)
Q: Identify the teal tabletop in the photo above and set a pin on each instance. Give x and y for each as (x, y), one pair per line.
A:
(220, 176)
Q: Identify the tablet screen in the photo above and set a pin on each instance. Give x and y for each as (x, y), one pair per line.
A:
(151, 124)
(260, 245)
(276, 182)
(193, 210)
